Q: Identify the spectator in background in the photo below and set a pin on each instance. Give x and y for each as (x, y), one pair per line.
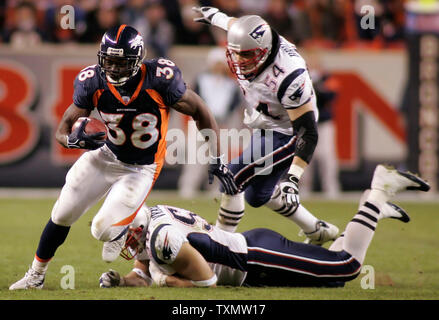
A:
(159, 32)
(278, 18)
(222, 94)
(193, 33)
(326, 21)
(325, 160)
(104, 17)
(149, 18)
(24, 31)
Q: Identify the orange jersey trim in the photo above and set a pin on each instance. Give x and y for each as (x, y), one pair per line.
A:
(42, 260)
(164, 112)
(96, 97)
(136, 93)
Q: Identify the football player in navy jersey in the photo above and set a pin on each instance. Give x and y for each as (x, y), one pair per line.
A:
(133, 98)
(280, 107)
(176, 247)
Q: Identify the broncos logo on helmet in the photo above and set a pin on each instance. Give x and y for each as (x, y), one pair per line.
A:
(121, 54)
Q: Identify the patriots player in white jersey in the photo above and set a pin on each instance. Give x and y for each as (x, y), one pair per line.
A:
(281, 107)
(176, 247)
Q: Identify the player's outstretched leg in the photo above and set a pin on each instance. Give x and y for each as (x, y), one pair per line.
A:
(385, 184)
(52, 237)
(389, 210)
(317, 231)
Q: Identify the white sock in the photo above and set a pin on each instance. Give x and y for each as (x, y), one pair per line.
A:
(40, 267)
(302, 217)
(360, 230)
(337, 245)
(230, 212)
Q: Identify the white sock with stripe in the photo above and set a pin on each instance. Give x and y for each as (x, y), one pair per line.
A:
(360, 230)
(230, 212)
(301, 216)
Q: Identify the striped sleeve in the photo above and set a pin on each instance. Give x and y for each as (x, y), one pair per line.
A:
(296, 89)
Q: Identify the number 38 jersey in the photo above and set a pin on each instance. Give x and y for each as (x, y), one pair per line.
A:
(283, 84)
(136, 113)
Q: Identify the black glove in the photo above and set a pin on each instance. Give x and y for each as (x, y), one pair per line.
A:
(290, 190)
(225, 176)
(78, 139)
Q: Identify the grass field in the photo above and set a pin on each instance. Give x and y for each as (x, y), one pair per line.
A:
(405, 257)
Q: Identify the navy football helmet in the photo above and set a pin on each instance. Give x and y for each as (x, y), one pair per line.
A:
(121, 54)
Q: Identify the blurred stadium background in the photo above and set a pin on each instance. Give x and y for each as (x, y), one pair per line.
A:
(383, 81)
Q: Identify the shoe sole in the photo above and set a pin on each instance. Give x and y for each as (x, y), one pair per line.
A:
(422, 185)
(404, 216)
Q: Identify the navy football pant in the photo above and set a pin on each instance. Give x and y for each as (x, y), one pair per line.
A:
(262, 164)
(273, 260)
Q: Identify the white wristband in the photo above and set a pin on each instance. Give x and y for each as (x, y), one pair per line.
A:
(143, 275)
(296, 171)
(205, 283)
(221, 20)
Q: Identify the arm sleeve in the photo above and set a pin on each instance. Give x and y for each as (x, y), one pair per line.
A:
(83, 90)
(166, 242)
(296, 89)
(170, 83)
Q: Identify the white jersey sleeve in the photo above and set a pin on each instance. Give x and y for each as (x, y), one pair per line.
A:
(166, 242)
(296, 89)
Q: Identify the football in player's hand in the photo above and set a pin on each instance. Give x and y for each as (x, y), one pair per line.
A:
(92, 127)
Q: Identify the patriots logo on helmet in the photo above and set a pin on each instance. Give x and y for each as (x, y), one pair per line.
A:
(258, 32)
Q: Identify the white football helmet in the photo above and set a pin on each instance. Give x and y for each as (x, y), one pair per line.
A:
(136, 234)
(249, 43)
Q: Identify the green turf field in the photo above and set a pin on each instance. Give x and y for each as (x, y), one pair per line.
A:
(404, 257)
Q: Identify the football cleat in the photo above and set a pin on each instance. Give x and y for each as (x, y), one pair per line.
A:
(392, 181)
(112, 249)
(31, 280)
(389, 210)
(393, 211)
(324, 232)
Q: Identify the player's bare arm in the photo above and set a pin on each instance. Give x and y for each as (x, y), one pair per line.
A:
(295, 114)
(191, 104)
(191, 266)
(136, 277)
(304, 124)
(70, 116)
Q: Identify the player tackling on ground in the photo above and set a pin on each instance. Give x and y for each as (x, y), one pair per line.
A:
(134, 98)
(281, 106)
(175, 247)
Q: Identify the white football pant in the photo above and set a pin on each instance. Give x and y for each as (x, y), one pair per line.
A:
(93, 175)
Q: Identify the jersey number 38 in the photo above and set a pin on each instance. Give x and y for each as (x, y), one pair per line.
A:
(143, 124)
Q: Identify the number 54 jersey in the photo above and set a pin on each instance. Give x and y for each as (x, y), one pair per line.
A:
(283, 84)
(136, 113)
